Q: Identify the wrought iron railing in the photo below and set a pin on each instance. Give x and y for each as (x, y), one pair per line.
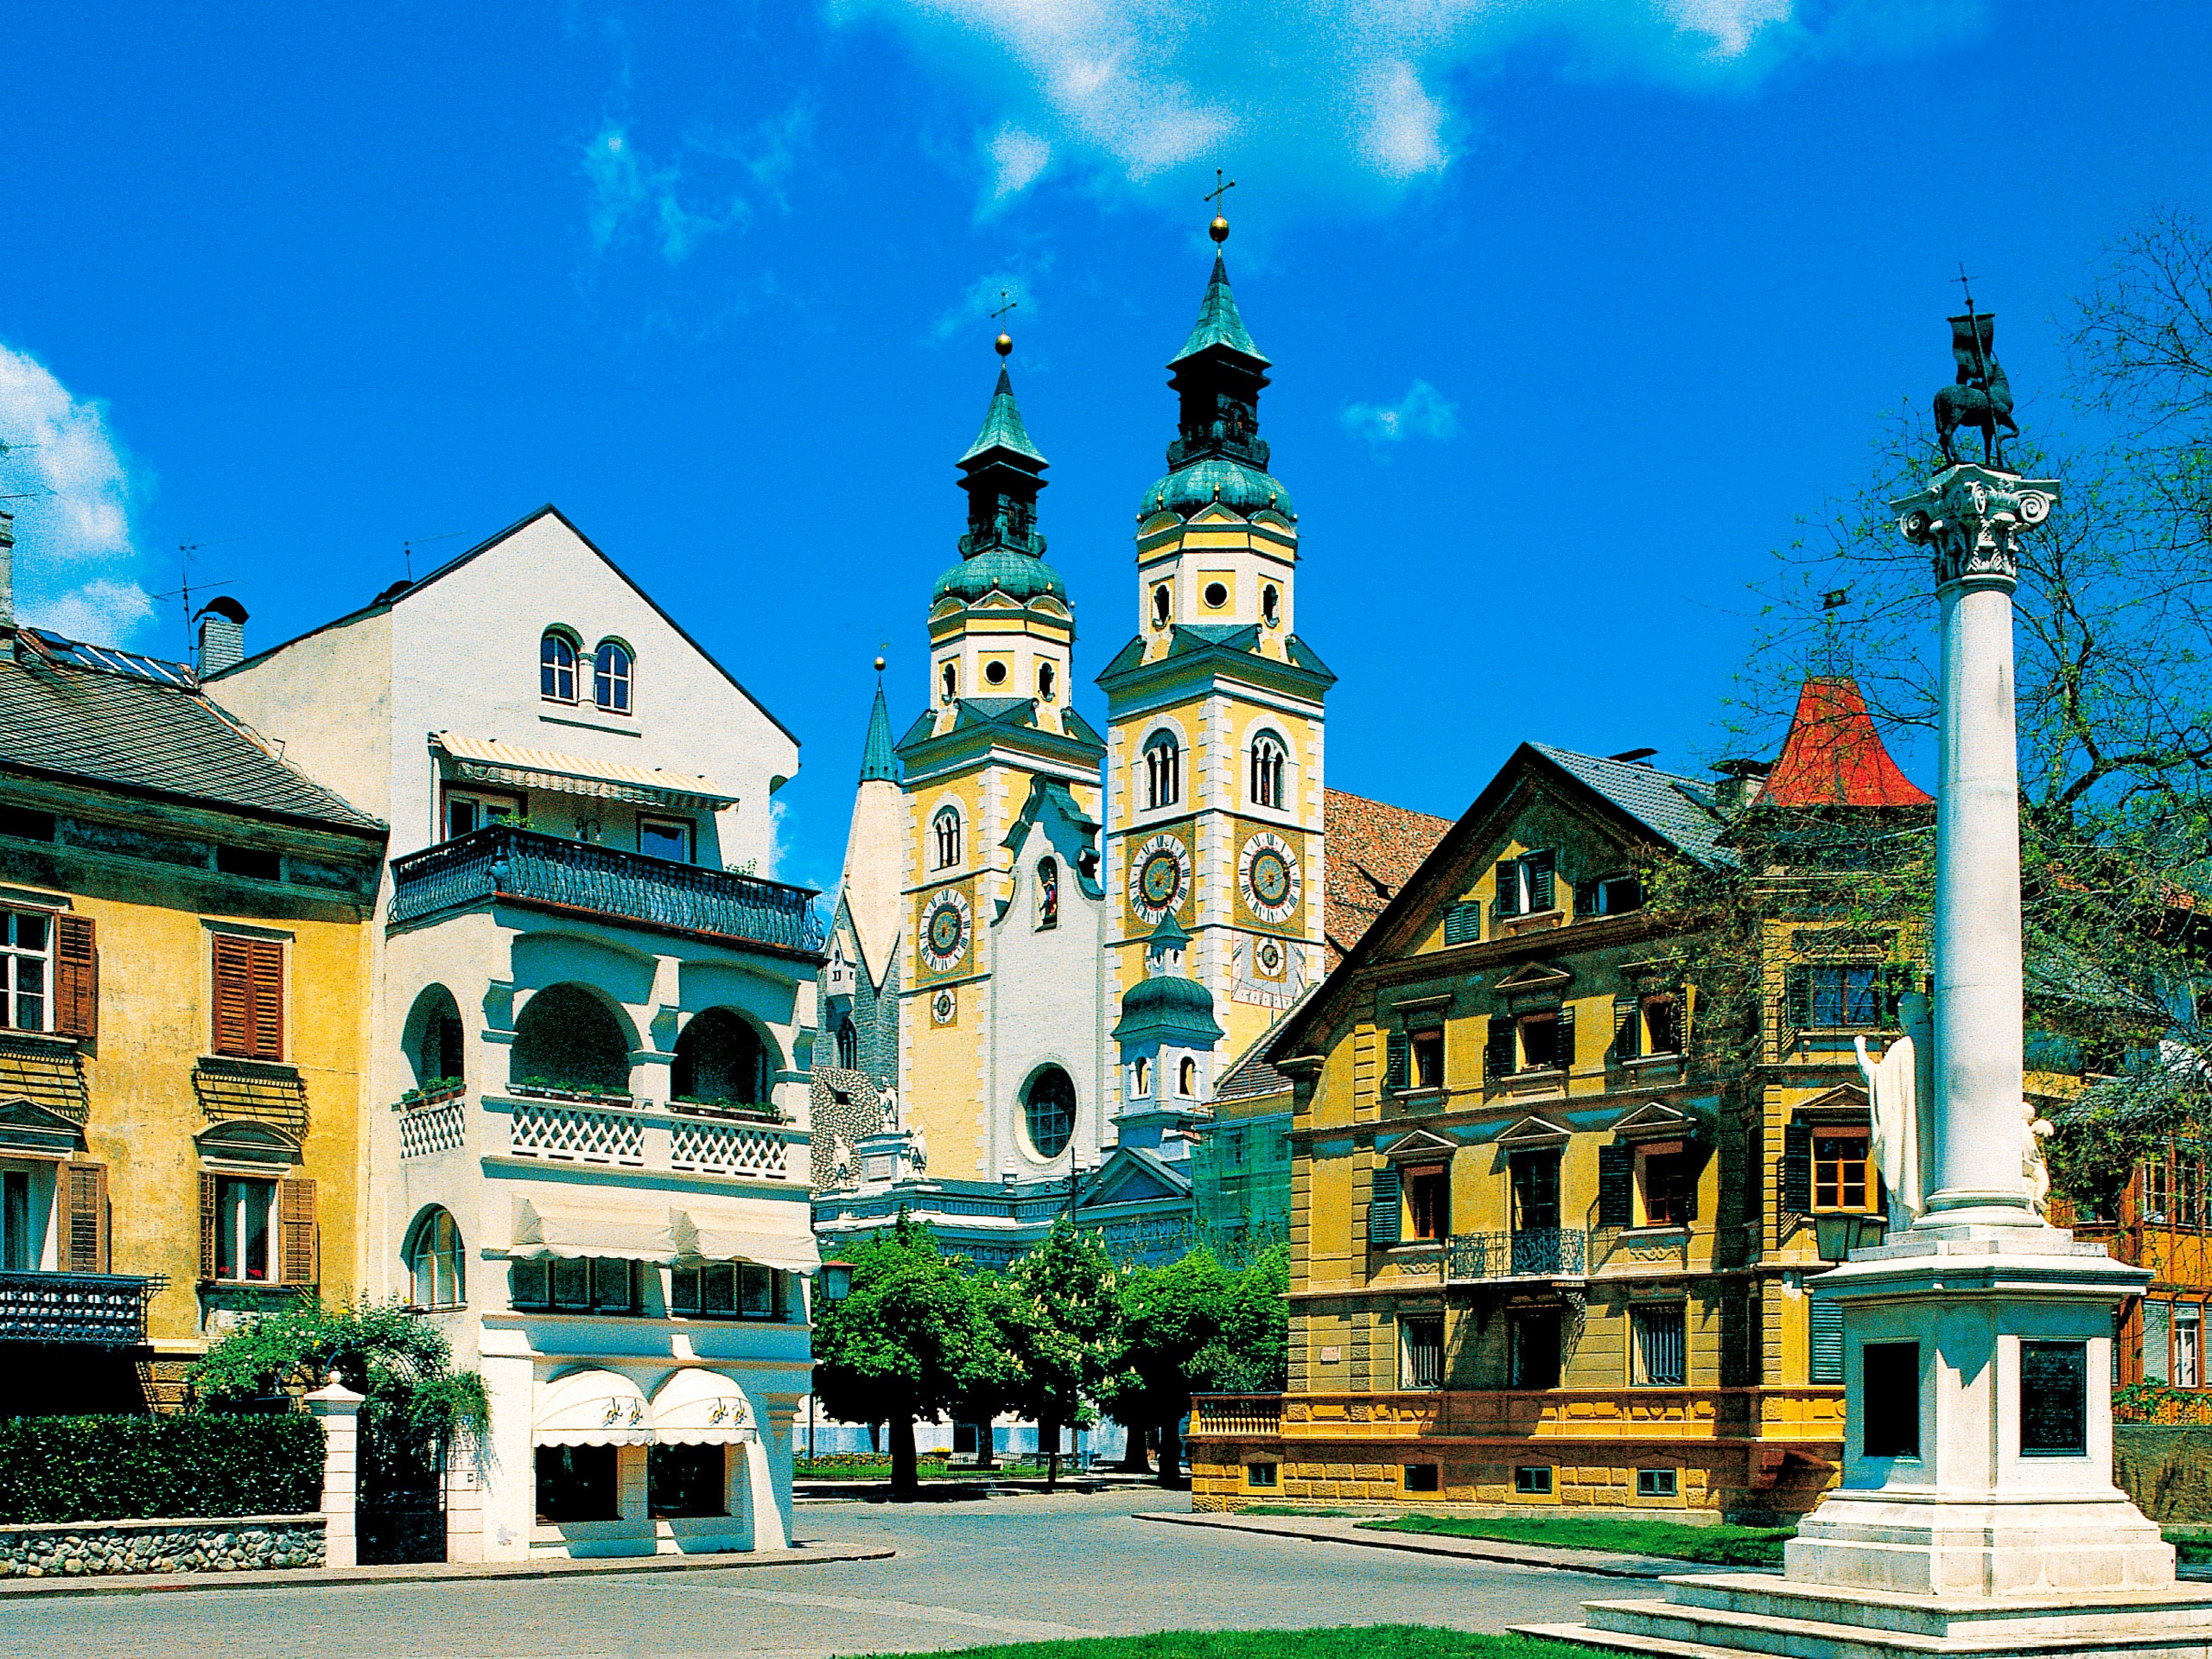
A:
(1525, 1252)
(498, 862)
(107, 1310)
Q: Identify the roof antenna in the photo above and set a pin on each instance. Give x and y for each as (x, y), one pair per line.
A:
(407, 551)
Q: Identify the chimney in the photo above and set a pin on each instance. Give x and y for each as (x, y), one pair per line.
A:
(222, 636)
(7, 573)
(1741, 783)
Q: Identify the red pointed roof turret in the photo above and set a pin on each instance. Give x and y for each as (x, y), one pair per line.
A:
(1834, 757)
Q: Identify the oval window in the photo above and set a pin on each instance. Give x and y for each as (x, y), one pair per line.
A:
(995, 672)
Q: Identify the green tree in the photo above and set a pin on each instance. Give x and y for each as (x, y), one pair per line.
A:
(912, 1338)
(1059, 1320)
(1250, 1354)
(1168, 1314)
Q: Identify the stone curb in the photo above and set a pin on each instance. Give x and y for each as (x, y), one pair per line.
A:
(1597, 1564)
(316, 1578)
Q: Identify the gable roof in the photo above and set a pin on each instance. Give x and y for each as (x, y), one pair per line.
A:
(401, 594)
(1373, 850)
(1680, 810)
(121, 730)
(1834, 757)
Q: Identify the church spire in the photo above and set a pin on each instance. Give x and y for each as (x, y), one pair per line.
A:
(1002, 473)
(878, 761)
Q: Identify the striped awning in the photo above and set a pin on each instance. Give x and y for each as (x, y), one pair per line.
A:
(486, 760)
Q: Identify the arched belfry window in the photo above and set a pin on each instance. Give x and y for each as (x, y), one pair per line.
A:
(1163, 605)
(611, 677)
(1267, 756)
(950, 679)
(1141, 1077)
(1047, 681)
(556, 666)
(434, 1259)
(1187, 1077)
(946, 828)
(1163, 770)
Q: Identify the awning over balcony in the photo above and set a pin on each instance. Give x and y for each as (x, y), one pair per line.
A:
(485, 760)
(746, 1229)
(592, 1407)
(697, 1407)
(609, 1227)
(637, 1227)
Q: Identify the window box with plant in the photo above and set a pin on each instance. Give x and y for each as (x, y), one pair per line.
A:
(757, 1111)
(438, 1089)
(539, 1089)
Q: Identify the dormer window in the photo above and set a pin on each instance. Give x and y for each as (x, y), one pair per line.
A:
(556, 666)
(610, 677)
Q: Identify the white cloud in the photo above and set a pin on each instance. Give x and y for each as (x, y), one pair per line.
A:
(73, 551)
(1423, 412)
(1344, 99)
(987, 294)
(630, 194)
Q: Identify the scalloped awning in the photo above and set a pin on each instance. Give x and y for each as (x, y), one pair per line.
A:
(592, 1407)
(697, 1406)
(487, 760)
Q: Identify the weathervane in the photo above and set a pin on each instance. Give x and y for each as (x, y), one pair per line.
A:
(1982, 396)
(1219, 229)
(1004, 343)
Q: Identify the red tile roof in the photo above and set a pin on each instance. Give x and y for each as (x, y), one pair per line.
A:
(1834, 757)
(1373, 850)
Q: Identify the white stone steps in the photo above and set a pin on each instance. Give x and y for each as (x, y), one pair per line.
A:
(1954, 1619)
(1668, 1627)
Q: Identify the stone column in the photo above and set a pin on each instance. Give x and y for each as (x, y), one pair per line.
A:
(1972, 518)
(339, 1408)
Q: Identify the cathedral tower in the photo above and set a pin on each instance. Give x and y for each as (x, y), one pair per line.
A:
(1000, 1020)
(1214, 749)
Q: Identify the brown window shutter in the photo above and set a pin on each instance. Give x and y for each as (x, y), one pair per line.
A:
(233, 995)
(267, 1000)
(206, 1227)
(84, 1238)
(296, 1232)
(76, 978)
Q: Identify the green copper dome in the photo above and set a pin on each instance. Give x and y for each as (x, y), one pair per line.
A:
(1018, 576)
(1168, 1006)
(1237, 485)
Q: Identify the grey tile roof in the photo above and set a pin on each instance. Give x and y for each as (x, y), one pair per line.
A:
(125, 730)
(1676, 809)
(1253, 1073)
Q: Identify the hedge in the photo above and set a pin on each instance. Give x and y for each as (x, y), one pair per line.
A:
(65, 1469)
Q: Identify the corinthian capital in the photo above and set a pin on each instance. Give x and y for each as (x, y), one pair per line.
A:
(1972, 518)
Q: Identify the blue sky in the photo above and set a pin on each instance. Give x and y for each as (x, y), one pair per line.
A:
(1576, 306)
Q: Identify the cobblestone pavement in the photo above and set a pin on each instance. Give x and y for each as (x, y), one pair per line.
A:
(1009, 1569)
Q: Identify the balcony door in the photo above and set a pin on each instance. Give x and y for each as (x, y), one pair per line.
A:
(1535, 1192)
(473, 810)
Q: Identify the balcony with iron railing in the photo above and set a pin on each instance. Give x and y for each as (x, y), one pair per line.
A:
(499, 863)
(1524, 1253)
(102, 1310)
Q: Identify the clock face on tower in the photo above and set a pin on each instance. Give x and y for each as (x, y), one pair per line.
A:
(944, 931)
(1159, 875)
(1268, 877)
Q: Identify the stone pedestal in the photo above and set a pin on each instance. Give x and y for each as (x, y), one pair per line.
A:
(339, 1408)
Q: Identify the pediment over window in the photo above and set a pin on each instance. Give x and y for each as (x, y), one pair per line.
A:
(28, 1130)
(1421, 1143)
(1535, 1131)
(1656, 1118)
(1845, 1104)
(1129, 1176)
(1534, 985)
(237, 1142)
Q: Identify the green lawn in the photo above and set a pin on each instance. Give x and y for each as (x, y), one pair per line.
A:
(802, 1469)
(1356, 1642)
(1714, 1546)
(2191, 1544)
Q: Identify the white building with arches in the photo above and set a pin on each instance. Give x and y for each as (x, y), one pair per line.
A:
(592, 1037)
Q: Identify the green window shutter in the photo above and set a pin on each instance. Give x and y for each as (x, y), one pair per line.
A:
(1628, 1028)
(1615, 1173)
(1567, 1038)
(1797, 1169)
(1826, 1343)
(1694, 1155)
(1540, 881)
(1463, 923)
(1384, 1202)
(1509, 886)
(1586, 899)
(1394, 1074)
(1798, 997)
(1497, 1049)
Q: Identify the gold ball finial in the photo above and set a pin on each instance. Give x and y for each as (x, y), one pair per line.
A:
(879, 664)
(1003, 345)
(1218, 230)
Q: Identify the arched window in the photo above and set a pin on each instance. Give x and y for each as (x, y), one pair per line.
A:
(568, 1039)
(434, 1259)
(556, 666)
(1141, 1077)
(950, 679)
(1271, 605)
(1187, 1077)
(434, 1038)
(719, 1057)
(1048, 1111)
(1048, 892)
(946, 827)
(848, 1044)
(1267, 770)
(1163, 605)
(1046, 680)
(610, 677)
(1163, 770)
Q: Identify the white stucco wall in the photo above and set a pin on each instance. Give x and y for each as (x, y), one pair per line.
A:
(1046, 986)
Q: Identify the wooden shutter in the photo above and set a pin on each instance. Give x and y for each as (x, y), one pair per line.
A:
(1395, 1072)
(1540, 882)
(296, 1232)
(1385, 1201)
(84, 1233)
(267, 1000)
(1628, 1028)
(1509, 886)
(207, 1228)
(1694, 1154)
(1498, 1047)
(1463, 923)
(1827, 1357)
(1797, 1169)
(1567, 1038)
(76, 978)
(249, 997)
(1616, 1186)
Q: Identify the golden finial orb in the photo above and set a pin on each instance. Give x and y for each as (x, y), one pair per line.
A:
(1003, 345)
(1218, 230)
(879, 664)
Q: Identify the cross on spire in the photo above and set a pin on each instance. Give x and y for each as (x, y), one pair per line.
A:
(1006, 303)
(1220, 188)
(1963, 279)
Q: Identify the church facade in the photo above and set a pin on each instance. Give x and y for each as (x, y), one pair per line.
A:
(1052, 940)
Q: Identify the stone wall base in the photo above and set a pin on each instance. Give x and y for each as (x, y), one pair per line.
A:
(98, 1549)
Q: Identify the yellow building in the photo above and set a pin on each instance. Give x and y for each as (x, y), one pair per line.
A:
(180, 1054)
(1550, 1237)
